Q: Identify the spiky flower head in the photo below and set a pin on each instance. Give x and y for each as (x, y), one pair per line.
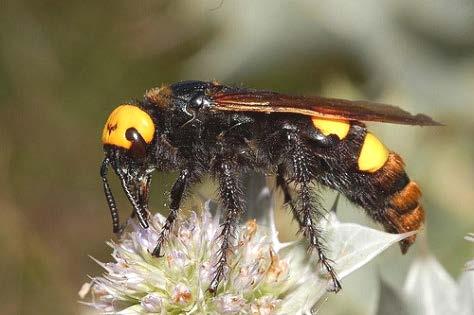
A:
(263, 276)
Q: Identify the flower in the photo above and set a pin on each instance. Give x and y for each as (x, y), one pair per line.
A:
(263, 275)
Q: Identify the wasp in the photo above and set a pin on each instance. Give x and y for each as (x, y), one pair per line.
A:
(205, 128)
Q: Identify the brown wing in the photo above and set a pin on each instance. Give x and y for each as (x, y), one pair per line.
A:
(330, 108)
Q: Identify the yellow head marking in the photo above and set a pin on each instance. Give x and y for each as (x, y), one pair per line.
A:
(336, 127)
(122, 118)
(373, 154)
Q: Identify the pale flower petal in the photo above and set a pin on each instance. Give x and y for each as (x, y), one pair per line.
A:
(229, 304)
(181, 294)
(429, 289)
(152, 303)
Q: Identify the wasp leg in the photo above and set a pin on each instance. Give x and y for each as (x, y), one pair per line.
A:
(312, 233)
(177, 193)
(230, 192)
(287, 199)
(142, 196)
(306, 210)
(140, 212)
(116, 226)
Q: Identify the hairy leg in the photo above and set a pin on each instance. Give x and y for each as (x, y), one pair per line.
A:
(282, 183)
(177, 192)
(305, 210)
(231, 195)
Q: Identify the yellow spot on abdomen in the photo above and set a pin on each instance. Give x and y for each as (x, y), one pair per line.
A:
(373, 154)
(336, 127)
(123, 118)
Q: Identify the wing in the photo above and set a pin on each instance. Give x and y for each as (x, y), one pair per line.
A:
(329, 108)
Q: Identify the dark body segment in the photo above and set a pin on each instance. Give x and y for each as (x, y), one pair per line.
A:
(203, 128)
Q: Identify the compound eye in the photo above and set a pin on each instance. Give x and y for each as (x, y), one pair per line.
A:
(138, 148)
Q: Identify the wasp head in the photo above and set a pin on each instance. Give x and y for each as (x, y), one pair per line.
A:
(127, 138)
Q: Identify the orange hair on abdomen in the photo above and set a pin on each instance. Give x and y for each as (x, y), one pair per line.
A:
(403, 211)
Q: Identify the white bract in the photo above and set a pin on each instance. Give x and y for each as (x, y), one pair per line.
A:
(430, 290)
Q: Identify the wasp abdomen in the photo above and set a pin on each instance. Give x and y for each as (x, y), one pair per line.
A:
(372, 155)
(373, 177)
(402, 211)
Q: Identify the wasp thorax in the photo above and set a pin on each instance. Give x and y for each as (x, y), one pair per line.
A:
(127, 125)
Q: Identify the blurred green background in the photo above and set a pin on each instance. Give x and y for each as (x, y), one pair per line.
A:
(64, 65)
